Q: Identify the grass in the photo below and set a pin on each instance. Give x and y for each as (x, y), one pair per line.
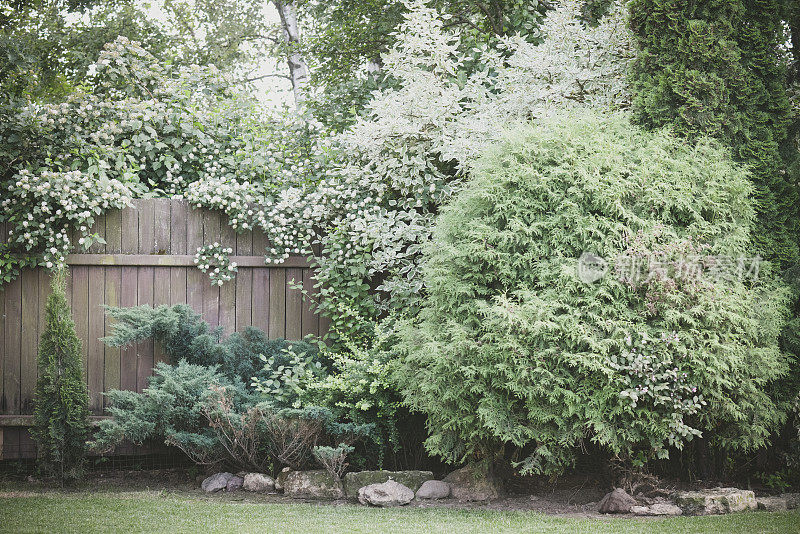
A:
(152, 512)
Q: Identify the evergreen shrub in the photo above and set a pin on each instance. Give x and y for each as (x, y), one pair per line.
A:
(184, 335)
(235, 400)
(171, 410)
(61, 402)
(513, 353)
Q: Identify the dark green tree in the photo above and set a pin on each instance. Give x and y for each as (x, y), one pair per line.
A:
(61, 410)
(719, 68)
(791, 15)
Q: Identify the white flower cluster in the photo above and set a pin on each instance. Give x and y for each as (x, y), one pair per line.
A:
(215, 259)
(265, 186)
(44, 207)
(172, 133)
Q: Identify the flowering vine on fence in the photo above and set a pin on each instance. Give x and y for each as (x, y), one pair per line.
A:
(215, 260)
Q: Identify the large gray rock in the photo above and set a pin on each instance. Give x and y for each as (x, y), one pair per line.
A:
(258, 483)
(216, 482)
(317, 484)
(616, 502)
(357, 480)
(472, 483)
(716, 501)
(772, 504)
(434, 489)
(389, 493)
(792, 500)
(234, 484)
(660, 508)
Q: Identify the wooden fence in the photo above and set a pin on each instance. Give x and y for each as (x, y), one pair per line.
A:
(148, 258)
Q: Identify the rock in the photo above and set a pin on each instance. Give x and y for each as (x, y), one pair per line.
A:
(357, 480)
(473, 483)
(317, 484)
(281, 478)
(216, 482)
(234, 483)
(716, 501)
(389, 493)
(772, 504)
(792, 500)
(616, 502)
(258, 483)
(661, 508)
(434, 489)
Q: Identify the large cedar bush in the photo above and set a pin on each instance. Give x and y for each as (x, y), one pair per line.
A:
(513, 352)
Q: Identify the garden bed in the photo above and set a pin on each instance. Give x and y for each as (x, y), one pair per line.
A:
(575, 497)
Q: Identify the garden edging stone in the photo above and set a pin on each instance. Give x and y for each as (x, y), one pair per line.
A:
(358, 479)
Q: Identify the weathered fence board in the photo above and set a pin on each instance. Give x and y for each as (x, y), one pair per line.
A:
(148, 258)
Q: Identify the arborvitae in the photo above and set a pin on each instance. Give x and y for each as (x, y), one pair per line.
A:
(61, 405)
(515, 353)
(716, 68)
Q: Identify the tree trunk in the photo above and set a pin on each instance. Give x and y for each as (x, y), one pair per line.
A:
(298, 71)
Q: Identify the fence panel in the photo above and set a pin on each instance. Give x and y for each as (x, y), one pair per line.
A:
(148, 258)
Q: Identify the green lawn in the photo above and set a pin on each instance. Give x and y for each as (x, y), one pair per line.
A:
(149, 512)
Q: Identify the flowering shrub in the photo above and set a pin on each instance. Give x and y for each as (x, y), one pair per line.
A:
(43, 208)
(367, 197)
(140, 127)
(216, 259)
